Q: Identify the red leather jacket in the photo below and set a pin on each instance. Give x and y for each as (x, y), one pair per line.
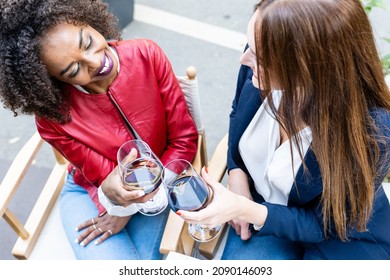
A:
(145, 94)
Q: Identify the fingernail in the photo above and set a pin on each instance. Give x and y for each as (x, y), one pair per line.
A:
(178, 213)
(76, 241)
(205, 168)
(141, 193)
(96, 242)
(76, 229)
(82, 244)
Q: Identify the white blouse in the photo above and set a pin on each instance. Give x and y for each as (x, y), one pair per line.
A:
(268, 162)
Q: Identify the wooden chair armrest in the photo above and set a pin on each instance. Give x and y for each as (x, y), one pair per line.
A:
(29, 232)
(41, 211)
(176, 237)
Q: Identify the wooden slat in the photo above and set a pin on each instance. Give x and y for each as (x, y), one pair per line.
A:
(197, 162)
(209, 249)
(187, 242)
(41, 211)
(59, 158)
(15, 224)
(203, 148)
(171, 237)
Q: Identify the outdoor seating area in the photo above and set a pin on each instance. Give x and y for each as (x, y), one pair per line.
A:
(204, 47)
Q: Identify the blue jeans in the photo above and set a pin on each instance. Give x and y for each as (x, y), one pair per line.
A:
(138, 240)
(260, 248)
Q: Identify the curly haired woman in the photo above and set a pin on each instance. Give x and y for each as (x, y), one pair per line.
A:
(63, 62)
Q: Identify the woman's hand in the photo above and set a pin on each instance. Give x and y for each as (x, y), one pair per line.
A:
(238, 183)
(224, 207)
(102, 228)
(113, 188)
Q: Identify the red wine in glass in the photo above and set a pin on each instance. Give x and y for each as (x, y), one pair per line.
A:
(187, 191)
(190, 198)
(142, 171)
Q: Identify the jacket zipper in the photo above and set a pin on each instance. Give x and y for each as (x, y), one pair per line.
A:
(132, 131)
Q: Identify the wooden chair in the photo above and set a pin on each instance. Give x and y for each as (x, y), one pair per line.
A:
(42, 236)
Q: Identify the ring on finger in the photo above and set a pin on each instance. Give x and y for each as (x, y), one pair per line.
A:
(94, 226)
(93, 221)
(110, 232)
(100, 230)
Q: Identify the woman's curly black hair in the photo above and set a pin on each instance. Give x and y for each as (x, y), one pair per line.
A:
(25, 85)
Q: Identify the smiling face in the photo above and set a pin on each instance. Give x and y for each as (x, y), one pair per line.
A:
(79, 55)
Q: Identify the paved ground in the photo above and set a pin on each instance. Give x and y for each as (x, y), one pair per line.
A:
(208, 34)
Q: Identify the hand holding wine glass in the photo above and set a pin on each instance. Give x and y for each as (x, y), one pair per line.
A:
(142, 173)
(187, 191)
(226, 206)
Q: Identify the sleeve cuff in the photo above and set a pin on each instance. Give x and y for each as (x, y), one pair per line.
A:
(116, 210)
(257, 228)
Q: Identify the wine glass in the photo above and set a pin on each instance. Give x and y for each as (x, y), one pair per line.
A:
(142, 173)
(187, 191)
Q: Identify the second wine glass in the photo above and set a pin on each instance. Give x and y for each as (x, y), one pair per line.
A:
(142, 173)
(187, 191)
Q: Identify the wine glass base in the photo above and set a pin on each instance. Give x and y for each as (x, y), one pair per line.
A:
(148, 211)
(156, 205)
(203, 233)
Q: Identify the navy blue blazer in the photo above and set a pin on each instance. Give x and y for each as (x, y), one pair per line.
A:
(301, 219)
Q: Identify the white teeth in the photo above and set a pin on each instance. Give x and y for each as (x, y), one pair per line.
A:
(106, 66)
(104, 69)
